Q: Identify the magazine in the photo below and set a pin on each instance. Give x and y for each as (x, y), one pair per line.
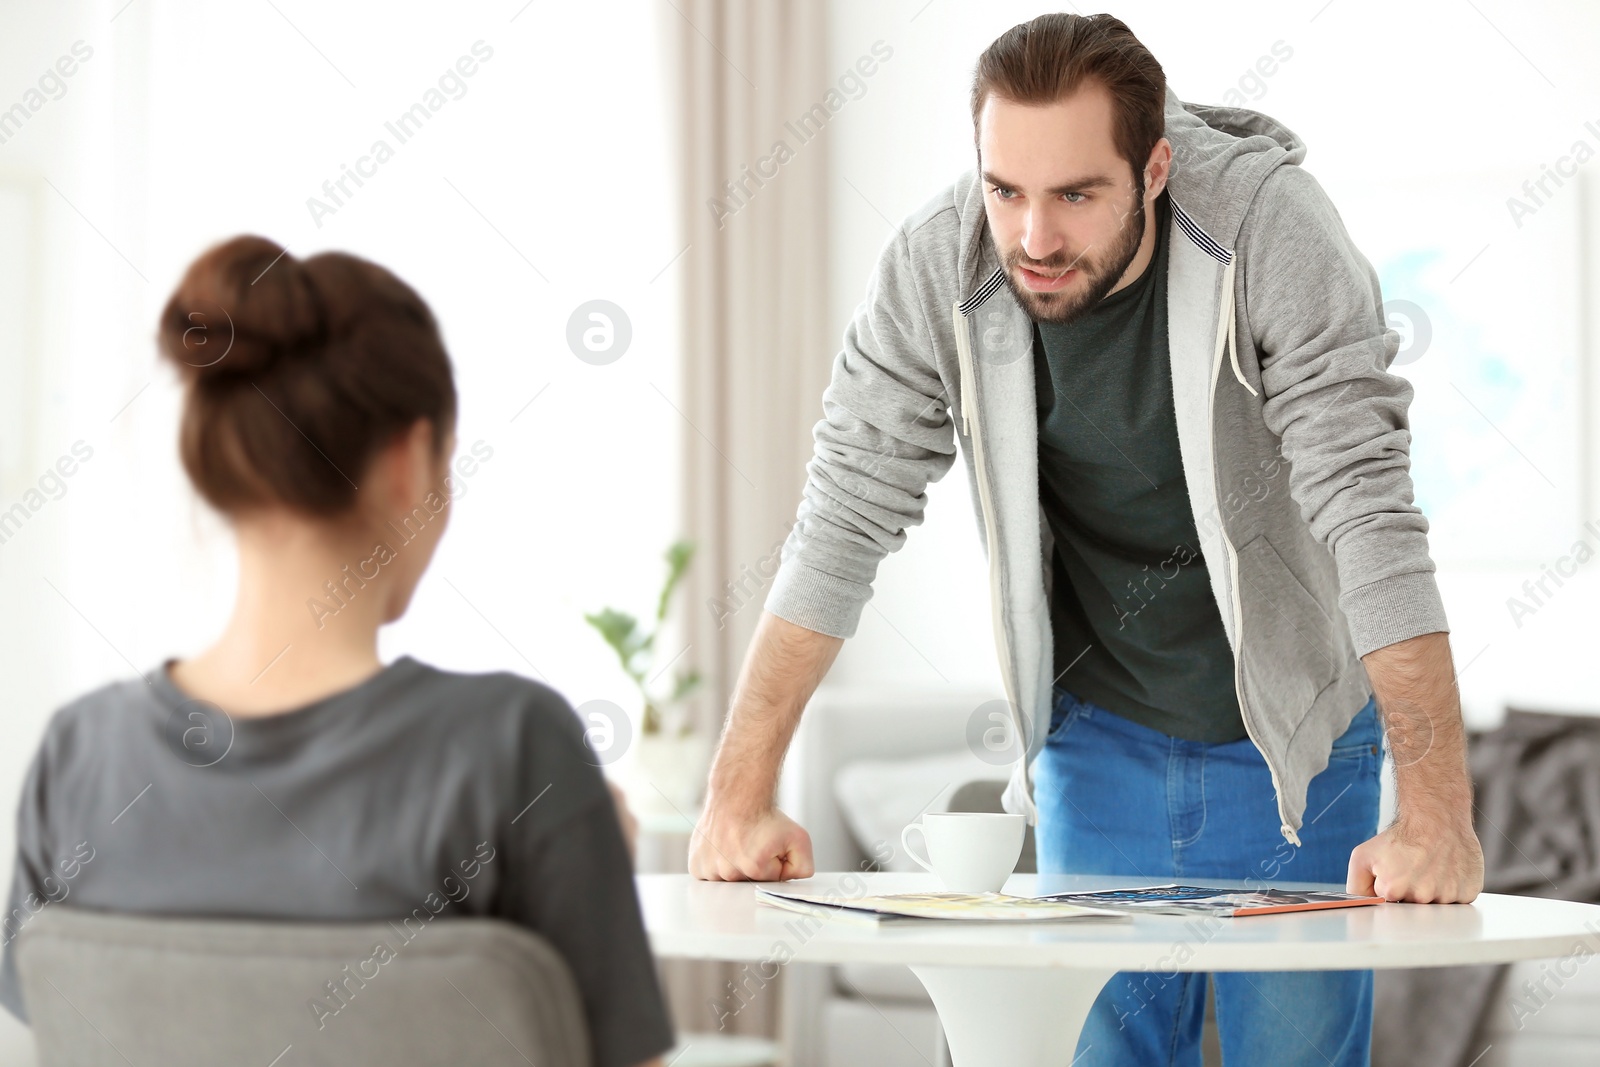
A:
(1192, 899)
(895, 907)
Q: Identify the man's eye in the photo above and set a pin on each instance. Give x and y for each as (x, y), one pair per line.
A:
(1073, 201)
(1004, 194)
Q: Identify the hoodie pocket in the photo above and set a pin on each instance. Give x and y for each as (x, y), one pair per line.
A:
(1289, 646)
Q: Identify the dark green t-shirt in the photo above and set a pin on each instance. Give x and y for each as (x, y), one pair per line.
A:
(1137, 629)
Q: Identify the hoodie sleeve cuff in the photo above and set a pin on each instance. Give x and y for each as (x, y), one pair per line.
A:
(817, 600)
(1393, 609)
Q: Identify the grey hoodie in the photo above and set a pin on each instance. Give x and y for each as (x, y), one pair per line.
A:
(1294, 437)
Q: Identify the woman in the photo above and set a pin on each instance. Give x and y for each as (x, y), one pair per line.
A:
(286, 772)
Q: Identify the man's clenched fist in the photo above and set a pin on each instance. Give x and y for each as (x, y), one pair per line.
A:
(1421, 861)
(764, 846)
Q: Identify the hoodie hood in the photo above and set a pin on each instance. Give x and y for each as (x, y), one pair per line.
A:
(1220, 157)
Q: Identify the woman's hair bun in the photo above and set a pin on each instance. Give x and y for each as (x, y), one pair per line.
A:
(296, 372)
(243, 306)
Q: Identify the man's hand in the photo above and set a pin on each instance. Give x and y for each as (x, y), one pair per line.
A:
(761, 846)
(1419, 861)
(1430, 854)
(742, 835)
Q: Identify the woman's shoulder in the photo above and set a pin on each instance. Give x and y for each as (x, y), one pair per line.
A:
(492, 696)
(524, 726)
(82, 735)
(101, 711)
(504, 707)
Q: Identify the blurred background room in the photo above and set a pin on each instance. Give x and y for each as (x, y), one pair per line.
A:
(643, 295)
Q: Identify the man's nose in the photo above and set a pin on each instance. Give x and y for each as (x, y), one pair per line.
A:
(1040, 238)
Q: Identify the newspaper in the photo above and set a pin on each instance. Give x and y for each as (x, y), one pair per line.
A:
(1174, 899)
(891, 907)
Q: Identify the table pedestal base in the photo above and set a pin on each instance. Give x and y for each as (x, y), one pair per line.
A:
(1012, 1016)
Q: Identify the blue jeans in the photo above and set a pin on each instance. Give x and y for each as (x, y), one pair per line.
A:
(1119, 798)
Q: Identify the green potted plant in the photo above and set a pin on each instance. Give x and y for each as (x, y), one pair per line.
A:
(664, 767)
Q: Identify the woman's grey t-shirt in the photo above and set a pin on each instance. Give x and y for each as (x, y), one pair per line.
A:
(457, 794)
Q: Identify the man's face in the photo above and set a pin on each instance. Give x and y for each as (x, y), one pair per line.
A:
(1066, 211)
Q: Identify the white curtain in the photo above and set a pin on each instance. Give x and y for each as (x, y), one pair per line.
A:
(756, 346)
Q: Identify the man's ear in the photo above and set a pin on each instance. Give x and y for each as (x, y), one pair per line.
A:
(1160, 165)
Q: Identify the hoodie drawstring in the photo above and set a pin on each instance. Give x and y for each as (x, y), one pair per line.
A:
(964, 361)
(1226, 328)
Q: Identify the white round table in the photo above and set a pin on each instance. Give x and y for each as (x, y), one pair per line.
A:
(1017, 995)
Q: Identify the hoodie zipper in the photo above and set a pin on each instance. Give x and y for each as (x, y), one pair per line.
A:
(971, 426)
(1226, 338)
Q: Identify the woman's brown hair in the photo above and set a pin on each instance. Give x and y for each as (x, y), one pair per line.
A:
(297, 372)
(1041, 61)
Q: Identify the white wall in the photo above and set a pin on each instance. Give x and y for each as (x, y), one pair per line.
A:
(1385, 95)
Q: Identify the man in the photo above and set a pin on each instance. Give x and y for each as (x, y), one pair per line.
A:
(1167, 367)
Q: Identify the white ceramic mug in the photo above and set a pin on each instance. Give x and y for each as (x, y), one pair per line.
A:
(970, 851)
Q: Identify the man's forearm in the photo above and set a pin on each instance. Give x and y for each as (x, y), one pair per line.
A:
(782, 668)
(1421, 707)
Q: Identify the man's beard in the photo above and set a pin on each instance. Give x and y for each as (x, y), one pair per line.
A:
(1101, 273)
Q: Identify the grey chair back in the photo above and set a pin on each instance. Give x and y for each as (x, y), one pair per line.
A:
(120, 990)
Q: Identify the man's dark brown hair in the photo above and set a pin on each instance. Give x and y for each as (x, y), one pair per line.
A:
(1042, 61)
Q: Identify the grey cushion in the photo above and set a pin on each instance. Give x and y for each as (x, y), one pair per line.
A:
(114, 989)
